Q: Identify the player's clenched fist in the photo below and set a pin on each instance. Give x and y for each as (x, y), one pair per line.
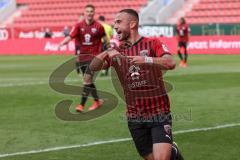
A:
(112, 53)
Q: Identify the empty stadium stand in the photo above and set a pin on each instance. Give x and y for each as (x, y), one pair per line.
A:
(7, 7)
(214, 11)
(52, 13)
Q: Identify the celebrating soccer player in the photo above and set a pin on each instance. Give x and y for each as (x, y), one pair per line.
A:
(182, 31)
(89, 33)
(139, 64)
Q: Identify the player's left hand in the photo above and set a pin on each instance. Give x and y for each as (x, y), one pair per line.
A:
(112, 53)
(136, 59)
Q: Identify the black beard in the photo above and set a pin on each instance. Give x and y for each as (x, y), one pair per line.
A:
(125, 45)
(125, 36)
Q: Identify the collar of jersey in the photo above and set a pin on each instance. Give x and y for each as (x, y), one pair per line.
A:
(90, 23)
(137, 41)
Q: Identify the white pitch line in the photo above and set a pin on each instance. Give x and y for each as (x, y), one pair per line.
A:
(178, 73)
(22, 84)
(207, 129)
(42, 82)
(113, 141)
(66, 147)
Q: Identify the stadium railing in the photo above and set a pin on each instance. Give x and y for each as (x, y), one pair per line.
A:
(7, 7)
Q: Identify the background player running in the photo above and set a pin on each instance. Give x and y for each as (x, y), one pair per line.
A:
(89, 34)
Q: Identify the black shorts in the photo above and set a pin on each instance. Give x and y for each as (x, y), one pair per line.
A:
(146, 133)
(84, 67)
(182, 44)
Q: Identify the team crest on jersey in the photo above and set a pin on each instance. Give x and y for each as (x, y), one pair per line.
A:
(82, 29)
(144, 52)
(134, 70)
(94, 30)
(165, 48)
(168, 128)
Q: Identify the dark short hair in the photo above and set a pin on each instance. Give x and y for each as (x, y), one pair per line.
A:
(183, 20)
(90, 6)
(101, 18)
(132, 12)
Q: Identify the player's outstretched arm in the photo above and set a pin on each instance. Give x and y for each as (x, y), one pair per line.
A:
(165, 62)
(100, 61)
(65, 41)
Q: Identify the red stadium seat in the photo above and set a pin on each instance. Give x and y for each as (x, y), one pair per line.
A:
(215, 11)
(61, 12)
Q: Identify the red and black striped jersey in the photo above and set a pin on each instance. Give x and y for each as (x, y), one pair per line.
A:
(88, 37)
(143, 85)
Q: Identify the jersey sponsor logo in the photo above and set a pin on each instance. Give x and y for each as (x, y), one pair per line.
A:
(134, 70)
(144, 52)
(87, 38)
(137, 84)
(94, 30)
(181, 32)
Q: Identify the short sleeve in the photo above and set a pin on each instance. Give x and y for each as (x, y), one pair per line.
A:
(160, 49)
(74, 32)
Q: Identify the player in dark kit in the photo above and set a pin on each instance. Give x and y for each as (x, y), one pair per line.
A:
(89, 33)
(139, 63)
(182, 30)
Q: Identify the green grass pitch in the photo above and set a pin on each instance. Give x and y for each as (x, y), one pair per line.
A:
(206, 94)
